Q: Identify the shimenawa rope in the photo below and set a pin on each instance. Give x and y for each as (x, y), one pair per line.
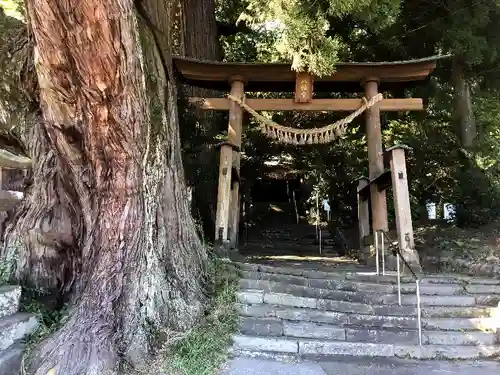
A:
(295, 136)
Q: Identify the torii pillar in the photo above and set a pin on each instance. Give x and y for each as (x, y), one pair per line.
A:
(228, 202)
(375, 156)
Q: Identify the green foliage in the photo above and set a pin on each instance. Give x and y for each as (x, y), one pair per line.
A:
(13, 8)
(204, 349)
(3, 273)
(303, 27)
(49, 313)
(315, 35)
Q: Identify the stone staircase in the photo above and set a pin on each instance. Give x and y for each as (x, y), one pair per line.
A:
(277, 233)
(14, 326)
(294, 312)
(298, 239)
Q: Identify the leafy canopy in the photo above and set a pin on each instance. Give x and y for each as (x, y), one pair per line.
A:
(305, 30)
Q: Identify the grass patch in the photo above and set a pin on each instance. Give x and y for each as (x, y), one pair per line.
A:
(204, 350)
(50, 317)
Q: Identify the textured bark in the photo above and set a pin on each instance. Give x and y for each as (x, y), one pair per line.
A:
(199, 39)
(199, 30)
(136, 262)
(18, 88)
(38, 244)
(463, 114)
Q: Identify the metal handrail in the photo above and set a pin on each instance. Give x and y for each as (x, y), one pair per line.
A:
(417, 280)
(295, 206)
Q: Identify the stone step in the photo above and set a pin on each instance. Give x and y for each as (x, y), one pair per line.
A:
(366, 274)
(255, 297)
(289, 235)
(365, 320)
(10, 360)
(10, 296)
(337, 272)
(301, 296)
(278, 327)
(16, 327)
(364, 292)
(284, 300)
(307, 348)
(296, 249)
(349, 286)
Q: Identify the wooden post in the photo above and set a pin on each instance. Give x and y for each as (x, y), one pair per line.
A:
(402, 207)
(234, 137)
(223, 194)
(375, 157)
(363, 219)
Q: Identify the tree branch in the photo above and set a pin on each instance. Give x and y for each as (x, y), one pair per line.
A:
(226, 29)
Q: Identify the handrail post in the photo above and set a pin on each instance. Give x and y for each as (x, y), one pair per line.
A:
(376, 252)
(417, 291)
(295, 206)
(399, 279)
(320, 251)
(419, 313)
(383, 253)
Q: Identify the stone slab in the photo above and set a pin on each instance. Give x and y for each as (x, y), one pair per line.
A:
(261, 326)
(382, 336)
(475, 280)
(432, 300)
(457, 324)
(10, 360)
(313, 330)
(326, 348)
(397, 366)
(377, 321)
(352, 286)
(483, 289)
(312, 315)
(304, 291)
(446, 352)
(251, 296)
(434, 289)
(289, 300)
(277, 277)
(16, 327)
(447, 280)
(487, 300)
(9, 299)
(256, 310)
(459, 338)
(268, 344)
(358, 366)
(345, 307)
(456, 312)
(252, 366)
(388, 279)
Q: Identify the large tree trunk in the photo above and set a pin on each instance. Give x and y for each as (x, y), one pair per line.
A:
(463, 114)
(138, 264)
(199, 40)
(39, 242)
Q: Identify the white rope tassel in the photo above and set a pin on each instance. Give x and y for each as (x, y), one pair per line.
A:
(296, 136)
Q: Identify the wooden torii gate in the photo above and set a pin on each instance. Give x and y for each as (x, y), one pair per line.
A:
(370, 78)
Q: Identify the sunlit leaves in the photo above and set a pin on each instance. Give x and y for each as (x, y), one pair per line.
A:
(303, 27)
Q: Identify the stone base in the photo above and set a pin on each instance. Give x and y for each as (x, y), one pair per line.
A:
(412, 258)
(224, 250)
(10, 360)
